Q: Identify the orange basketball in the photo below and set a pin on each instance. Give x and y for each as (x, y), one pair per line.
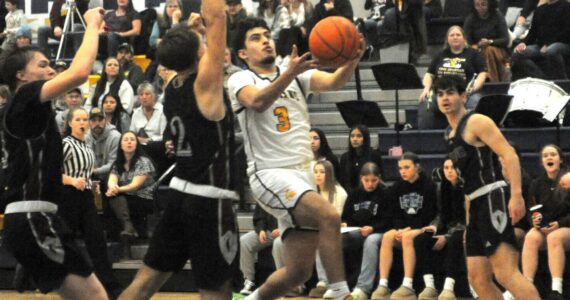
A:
(334, 39)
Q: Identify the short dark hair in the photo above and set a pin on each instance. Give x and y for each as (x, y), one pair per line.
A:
(243, 27)
(411, 156)
(450, 82)
(13, 2)
(178, 50)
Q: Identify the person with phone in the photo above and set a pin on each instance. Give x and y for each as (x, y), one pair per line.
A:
(553, 230)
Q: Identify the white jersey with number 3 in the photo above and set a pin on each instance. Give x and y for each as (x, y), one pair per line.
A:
(279, 136)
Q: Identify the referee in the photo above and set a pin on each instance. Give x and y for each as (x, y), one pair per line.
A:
(77, 206)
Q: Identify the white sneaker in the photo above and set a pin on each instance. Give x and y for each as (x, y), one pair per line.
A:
(359, 294)
(248, 287)
(328, 294)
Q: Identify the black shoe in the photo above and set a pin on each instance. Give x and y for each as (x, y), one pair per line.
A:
(554, 295)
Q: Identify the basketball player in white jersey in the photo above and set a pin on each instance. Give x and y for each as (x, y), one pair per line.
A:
(270, 103)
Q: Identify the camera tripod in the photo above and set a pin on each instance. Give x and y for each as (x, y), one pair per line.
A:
(68, 27)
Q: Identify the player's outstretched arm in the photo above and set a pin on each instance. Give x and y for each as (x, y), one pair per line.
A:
(323, 81)
(80, 67)
(484, 129)
(209, 86)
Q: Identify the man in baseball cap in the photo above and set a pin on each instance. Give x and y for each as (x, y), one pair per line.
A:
(133, 73)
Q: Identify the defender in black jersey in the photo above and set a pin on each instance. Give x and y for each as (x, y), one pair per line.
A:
(199, 222)
(33, 232)
(490, 242)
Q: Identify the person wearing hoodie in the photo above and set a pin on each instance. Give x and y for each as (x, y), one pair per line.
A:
(369, 209)
(103, 139)
(415, 217)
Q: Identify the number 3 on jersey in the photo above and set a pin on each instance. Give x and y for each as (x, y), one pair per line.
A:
(283, 117)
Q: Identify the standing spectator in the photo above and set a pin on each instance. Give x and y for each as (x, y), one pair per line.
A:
(235, 14)
(72, 99)
(103, 140)
(113, 82)
(133, 73)
(57, 15)
(77, 206)
(265, 232)
(115, 114)
(327, 8)
(370, 209)
(120, 25)
(14, 19)
(486, 30)
(554, 234)
(414, 220)
(130, 188)
(322, 150)
(548, 40)
(359, 152)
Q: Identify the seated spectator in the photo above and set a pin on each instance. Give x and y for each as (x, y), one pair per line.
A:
(486, 30)
(120, 25)
(235, 14)
(548, 40)
(330, 190)
(229, 67)
(322, 151)
(552, 233)
(103, 139)
(72, 99)
(370, 209)
(113, 82)
(149, 122)
(457, 58)
(23, 36)
(130, 189)
(266, 11)
(163, 77)
(264, 233)
(133, 73)
(371, 27)
(171, 16)
(449, 236)
(523, 21)
(58, 104)
(15, 18)
(406, 21)
(57, 15)
(115, 114)
(327, 8)
(359, 152)
(414, 217)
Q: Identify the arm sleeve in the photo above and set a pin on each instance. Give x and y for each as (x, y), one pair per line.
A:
(503, 39)
(468, 28)
(528, 8)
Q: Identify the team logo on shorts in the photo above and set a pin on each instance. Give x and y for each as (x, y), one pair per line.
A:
(290, 195)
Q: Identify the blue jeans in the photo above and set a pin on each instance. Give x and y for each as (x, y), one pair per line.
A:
(555, 67)
(369, 266)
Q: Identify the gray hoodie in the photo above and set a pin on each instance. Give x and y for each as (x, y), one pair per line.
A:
(105, 148)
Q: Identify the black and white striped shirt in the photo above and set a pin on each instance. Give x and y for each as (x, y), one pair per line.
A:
(78, 159)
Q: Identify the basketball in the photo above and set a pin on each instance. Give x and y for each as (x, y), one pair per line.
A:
(334, 40)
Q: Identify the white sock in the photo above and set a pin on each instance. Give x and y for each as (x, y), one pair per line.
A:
(507, 295)
(557, 284)
(473, 292)
(449, 284)
(408, 282)
(429, 281)
(383, 282)
(322, 284)
(254, 296)
(339, 289)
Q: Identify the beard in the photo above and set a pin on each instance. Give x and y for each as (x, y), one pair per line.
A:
(268, 60)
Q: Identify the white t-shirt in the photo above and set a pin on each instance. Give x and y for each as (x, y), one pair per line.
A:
(279, 136)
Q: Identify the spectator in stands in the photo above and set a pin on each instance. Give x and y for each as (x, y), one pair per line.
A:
(14, 19)
(23, 36)
(72, 99)
(229, 67)
(554, 234)
(359, 152)
(103, 139)
(76, 206)
(371, 27)
(120, 25)
(547, 40)
(133, 73)
(130, 188)
(149, 122)
(449, 237)
(327, 8)
(163, 77)
(486, 30)
(457, 58)
(115, 114)
(171, 16)
(329, 188)
(322, 151)
(266, 11)
(264, 233)
(370, 209)
(57, 15)
(113, 82)
(235, 14)
(415, 219)
(523, 21)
